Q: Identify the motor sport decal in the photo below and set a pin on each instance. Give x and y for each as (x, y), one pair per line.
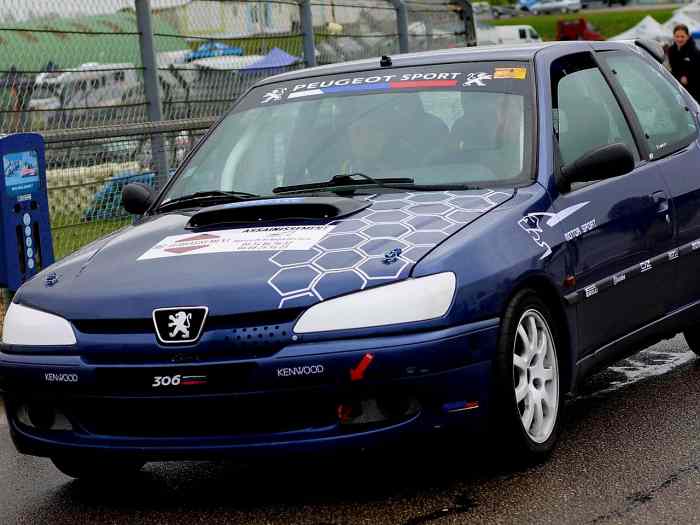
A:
(273, 238)
(532, 224)
(636, 270)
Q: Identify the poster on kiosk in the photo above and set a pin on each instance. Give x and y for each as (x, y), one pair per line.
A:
(24, 210)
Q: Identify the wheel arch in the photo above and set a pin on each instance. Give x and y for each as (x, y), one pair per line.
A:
(543, 286)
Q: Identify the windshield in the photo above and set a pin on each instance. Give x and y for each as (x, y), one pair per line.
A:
(451, 124)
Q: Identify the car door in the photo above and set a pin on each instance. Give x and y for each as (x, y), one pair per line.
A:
(612, 227)
(670, 133)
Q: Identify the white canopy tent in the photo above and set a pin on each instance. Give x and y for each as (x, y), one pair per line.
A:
(647, 28)
(682, 17)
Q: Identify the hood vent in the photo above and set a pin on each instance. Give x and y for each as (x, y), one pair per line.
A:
(273, 210)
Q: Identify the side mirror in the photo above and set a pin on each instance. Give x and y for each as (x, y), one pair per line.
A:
(137, 197)
(605, 162)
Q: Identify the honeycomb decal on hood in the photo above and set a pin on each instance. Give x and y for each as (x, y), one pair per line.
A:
(378, 244)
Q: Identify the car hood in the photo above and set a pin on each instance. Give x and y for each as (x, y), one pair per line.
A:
(164, 262)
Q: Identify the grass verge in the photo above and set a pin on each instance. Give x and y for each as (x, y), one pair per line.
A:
(607, 24)
(67, 239)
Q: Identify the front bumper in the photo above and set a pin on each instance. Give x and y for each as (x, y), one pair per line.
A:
(306, 397)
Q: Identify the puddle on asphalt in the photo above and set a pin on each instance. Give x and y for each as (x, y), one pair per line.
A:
(653, 361)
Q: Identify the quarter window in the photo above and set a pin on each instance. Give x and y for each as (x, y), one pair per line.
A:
(660, 108)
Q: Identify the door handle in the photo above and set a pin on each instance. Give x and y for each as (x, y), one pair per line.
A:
(660, 200)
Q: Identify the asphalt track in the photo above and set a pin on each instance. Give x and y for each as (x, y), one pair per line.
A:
(630, 453)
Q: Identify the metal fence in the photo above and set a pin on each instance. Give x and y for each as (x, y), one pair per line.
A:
(122, 89)
(87, 169)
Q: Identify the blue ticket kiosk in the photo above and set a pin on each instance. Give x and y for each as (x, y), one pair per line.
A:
(24, 209)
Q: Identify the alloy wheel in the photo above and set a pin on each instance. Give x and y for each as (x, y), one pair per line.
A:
(535, 376)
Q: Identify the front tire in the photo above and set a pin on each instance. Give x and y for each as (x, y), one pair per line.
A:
(97, 469)
(528, 387)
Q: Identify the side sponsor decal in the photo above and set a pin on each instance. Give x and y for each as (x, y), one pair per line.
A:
(532, 224)
(273, 238)
(644, 266)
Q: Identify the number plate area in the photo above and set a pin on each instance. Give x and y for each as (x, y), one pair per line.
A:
(175, 380)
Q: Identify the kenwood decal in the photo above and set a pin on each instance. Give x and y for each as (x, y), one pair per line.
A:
(300, 371)
(51, 377)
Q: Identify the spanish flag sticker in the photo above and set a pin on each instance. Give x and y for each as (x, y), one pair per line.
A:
(518, 73)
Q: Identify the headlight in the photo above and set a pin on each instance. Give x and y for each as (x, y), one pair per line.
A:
(404, 302)
(27, 326)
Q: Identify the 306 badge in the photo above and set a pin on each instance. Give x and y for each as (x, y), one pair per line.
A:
(178, 380)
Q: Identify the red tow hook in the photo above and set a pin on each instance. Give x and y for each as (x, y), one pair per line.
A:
(358, 373)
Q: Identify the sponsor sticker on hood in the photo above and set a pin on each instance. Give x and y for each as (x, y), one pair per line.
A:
(272, 238)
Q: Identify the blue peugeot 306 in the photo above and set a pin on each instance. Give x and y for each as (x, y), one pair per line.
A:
(373, 251)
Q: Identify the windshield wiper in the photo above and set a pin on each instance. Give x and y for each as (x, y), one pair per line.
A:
(342, 180)
(206, 196)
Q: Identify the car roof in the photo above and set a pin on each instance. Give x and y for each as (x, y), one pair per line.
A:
(519, 52)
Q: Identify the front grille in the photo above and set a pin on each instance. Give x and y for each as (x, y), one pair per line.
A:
(163, 356)
(269, 318)
(245, 336)
(201, 417)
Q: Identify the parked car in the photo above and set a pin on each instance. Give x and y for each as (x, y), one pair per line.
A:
(598, 4)
(213, 49)
(454, 241)
(520, 34)
(481, 9)
(547, 7)
(94, 93)
(107, 202)
(580, 29)
(501, 11)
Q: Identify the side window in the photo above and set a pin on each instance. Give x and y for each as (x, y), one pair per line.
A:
(586, 113)
(522, 34)
(658, 104)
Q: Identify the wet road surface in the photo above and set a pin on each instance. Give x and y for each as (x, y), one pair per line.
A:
(630, 453)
